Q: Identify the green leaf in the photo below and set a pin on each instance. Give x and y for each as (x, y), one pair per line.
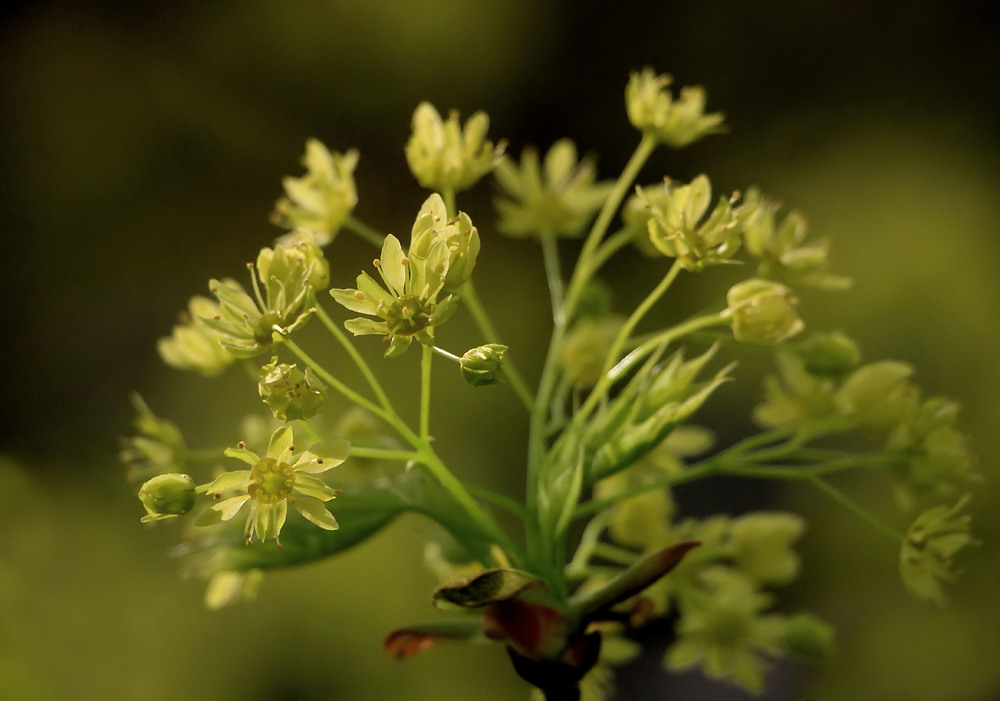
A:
(485, 588)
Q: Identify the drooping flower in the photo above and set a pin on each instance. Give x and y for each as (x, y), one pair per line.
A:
(276, 480)
(763, 312)
(192, 345)
(321, 199)
(408, 306)
(926, 559)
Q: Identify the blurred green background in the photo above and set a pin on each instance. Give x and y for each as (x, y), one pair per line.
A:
(141, 149)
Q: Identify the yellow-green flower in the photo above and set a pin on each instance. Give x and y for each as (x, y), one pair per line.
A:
(192, 345)
(652, 109)
(245, 325)
(167, 496)
(408, 306)
(444, 156)
(322, 198)
(432, 226)
(679, 228)
(280, 478)
(555, 198)
(926, 559)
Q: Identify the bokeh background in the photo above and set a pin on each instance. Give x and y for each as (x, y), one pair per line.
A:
(141, 150)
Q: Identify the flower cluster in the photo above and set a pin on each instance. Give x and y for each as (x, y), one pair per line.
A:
(320, 200)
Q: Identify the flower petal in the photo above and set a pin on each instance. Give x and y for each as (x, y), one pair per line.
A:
(248, 456)
(231, 506)
(314, 511)
(313, 487)
(322, 456)
(281, 443)
(393, 266)
(235, 479)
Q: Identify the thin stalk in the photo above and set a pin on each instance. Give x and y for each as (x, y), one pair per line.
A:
(425, 392)
(358, 451)
(553, 273)
(442, 352)
(363, 231)
(856, 509)
(355, 356)
(340, 386)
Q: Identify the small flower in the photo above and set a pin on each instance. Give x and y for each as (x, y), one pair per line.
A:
(763, 312)
(275, 480)
(321, 199)
(158, 447)
(432, 227)
(192, 345)
(652, 109)
(828, 355)
(794, 396)
(445, 157)
(926, 559)
(939, 464)
(781, 250)
(289, 392)
(723, 630)
(408, 307)
(879, 396)
(167, 496)
(245, 325)
(678, 226)
(483, 365)
(762, 546)
(557, 198)
(299, 247)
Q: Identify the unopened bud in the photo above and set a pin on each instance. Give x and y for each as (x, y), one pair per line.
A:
(763, 312)
(483, 365)
(166, 496)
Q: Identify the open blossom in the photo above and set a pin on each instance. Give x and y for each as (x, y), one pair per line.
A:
(275, 481)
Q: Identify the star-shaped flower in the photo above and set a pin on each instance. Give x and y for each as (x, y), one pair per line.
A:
(275, 480)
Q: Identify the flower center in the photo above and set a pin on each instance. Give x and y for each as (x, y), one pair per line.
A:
(407, 315)
(271, 481)
(265, 326)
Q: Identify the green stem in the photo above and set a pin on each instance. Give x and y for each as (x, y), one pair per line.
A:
(425, 392)
(448, 195)
(363, 231)
(358, 451)
(553, 273)
(355, 356)
(604, 383)
(442, 352)
(340, 386)
(856, 509)
(497, 499)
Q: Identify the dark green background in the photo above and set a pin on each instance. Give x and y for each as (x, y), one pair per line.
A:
(142, 146)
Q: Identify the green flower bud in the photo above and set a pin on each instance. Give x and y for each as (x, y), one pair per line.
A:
(191, 345)
(483, 365)
(320, 200)
(166, 496)
(763, 312)
(828, 355)
(443, 156)
(927, 556)
(808, 637)
(879, 396)
(652, 109)
(762, 546)
(289, 392)
(556, 198)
